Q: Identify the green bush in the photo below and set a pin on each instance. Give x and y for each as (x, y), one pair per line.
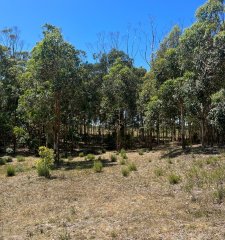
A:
(10, 171)
(81, 154)
(2, 161)
(8, 159)
(113, 158)
(20, 159)
(123, 153)
(125, 171)
(122, 161)
(46, 161)
(141, 152)
(132, 167)
(90, 157)
(43, 170)
(174, 178)
(98, 166)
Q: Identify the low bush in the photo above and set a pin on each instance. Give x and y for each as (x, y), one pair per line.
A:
(122, 161)
(125, 171)
(20, 159)
(8, 159)
(123, 153)
(44, 164)
(174, 178)
(132, 167)
(113, 158)
(81, 154)
(90, 157)
(2, 161)
(10, 171)
(98, 166)
(141, 152)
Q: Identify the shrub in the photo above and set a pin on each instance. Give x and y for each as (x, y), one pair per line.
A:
(46, 161)
(20, 159)
(10, 171)
(2, 161)
(219, 194)
(98, 166)
(158, 172)
(90, 157)
(123, 153)
(174, 178)
(113, 158)
(8, 159)
(9, 150)
(132, 167)
(125, 171)
(122, 161)
(81, 154)
(103, 150)
(141, 152)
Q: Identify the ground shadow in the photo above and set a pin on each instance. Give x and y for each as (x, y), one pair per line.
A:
(173, 153)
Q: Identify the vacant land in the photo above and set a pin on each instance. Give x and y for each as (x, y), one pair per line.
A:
(172, 195)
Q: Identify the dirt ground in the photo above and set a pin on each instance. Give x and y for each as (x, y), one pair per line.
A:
(77, 203)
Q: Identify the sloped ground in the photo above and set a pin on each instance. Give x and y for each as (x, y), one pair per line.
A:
(77, 203)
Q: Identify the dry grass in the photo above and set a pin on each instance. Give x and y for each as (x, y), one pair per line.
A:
(77, 203)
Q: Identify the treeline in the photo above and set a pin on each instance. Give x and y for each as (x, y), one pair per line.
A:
(51, 96)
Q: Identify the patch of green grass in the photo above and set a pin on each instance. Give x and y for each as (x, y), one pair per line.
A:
(132, 167)
(125, 171)
(20, 159)
(81, 154)
(123, 153)
(159, 172)
(10, 171)
(212, 161)
(219, 194)
(90, 157)
(43, 170)
(2, 161)
(122, 161)
(113, 158)
(98, 166)
(174, 178)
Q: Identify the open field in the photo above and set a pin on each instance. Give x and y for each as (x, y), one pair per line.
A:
(172, 195)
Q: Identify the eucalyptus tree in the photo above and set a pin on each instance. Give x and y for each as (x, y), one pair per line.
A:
(50, 75)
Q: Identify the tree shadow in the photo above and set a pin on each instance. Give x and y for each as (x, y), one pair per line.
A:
(173, 153)
(81, 165)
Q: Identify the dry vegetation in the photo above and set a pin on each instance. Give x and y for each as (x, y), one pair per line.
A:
(172, 195)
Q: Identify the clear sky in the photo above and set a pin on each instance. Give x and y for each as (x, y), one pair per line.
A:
(82, 20)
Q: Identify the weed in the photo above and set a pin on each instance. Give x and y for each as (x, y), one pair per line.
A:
(10, 172)
(113, 158)
(8, 159)
(219, 194)
(123, 153)
(97, 166)
(81, 154)
(159, 172)
(125, 171)
(132, 167)
(90, 157)
(174, 178)
(122, 161)
(2, 161)
(20, 159)
(141, 152)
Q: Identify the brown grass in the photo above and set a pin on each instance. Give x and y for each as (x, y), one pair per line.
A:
(77, 203)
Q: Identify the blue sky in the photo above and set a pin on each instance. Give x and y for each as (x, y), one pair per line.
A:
(82, 20)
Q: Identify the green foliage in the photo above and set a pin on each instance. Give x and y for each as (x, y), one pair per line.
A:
(123, 153)
(8, 159)
(113, 158)
(219, 194)
(98, 166)
(20, 159)
(159, 172)
(10, 171)
(90, 157)
(132, 167)
(174, 178)
(44, 164)
(122, 161)
(2, 161)
(81, 154)
(125, 171)
(141, 152)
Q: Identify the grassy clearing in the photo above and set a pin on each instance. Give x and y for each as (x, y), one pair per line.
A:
(190, 190)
